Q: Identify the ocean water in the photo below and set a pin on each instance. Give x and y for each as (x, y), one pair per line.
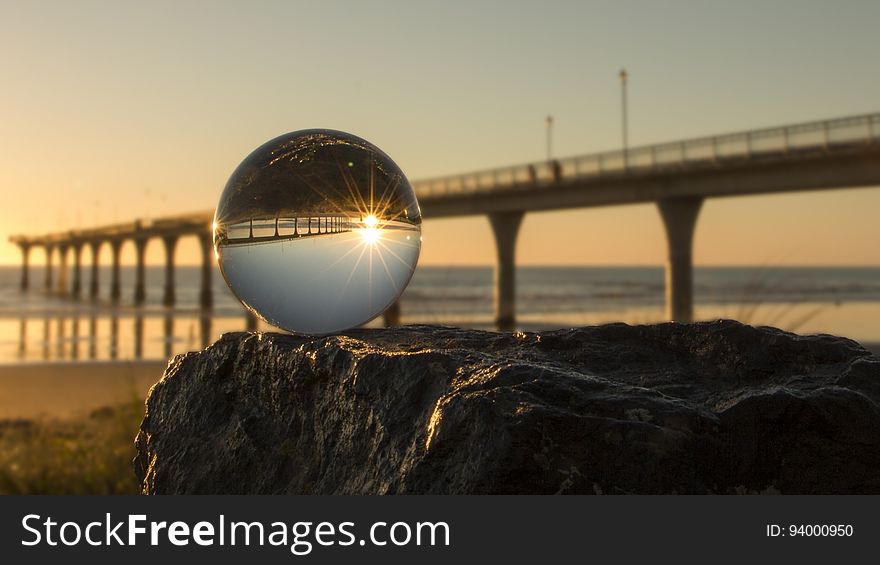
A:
(35, 326)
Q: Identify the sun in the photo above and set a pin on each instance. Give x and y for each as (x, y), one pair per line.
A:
(370, 232)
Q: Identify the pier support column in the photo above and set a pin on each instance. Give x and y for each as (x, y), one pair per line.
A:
(76, 289)
(25, 263)
(139, 336)
(206, 295)
(49, 251)
(391, 316)
(140, 283)
(62, 269)
(170, 244)
(94, 288)
(680, 218)
(115, 289)
(505, 226)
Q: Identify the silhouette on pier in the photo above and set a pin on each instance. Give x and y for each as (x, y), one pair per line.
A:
(677, 176)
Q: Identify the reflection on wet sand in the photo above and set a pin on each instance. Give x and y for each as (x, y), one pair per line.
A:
(93, 337)
(22, 340)
(114, 337)
(74, 339)
(168, 334)
(138, 336)
(46, 339)
(59, 341)
(122, 335)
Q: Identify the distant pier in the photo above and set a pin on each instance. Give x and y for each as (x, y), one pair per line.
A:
(68, 246)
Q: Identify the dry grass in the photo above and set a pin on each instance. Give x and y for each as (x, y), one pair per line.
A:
(87, 456)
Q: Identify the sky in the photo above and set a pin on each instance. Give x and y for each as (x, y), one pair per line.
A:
(117, 110)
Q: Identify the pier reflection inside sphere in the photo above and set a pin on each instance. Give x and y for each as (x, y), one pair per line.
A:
(317, 231)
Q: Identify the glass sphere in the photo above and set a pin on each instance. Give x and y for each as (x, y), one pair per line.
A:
(317, 231)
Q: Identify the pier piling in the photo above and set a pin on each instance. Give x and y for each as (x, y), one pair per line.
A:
(206, 295)
(25, 258)
(505, 227)
(170, 244)
(48, 277)
(115, 288)
(62, 268)
(140, 283)
(94, 288)
(680, 218)
(76, 287)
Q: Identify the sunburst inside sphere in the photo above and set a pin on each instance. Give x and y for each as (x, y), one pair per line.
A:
(317, 231)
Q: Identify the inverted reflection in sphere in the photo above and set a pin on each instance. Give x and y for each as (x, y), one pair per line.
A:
(317, 231)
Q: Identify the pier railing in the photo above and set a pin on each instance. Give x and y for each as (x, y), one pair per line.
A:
(773, 143)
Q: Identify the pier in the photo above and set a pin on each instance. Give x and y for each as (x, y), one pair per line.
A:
(69, 245)
(676, 176)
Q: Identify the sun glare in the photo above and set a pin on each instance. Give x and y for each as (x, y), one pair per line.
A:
(370, 232)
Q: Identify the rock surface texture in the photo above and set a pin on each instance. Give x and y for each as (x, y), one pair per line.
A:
(715, 407)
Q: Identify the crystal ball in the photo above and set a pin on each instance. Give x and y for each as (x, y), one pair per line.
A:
(317, 231)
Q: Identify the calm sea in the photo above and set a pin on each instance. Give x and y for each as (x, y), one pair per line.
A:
(842, 301)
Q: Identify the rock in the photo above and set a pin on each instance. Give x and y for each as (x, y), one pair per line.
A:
(716, 407)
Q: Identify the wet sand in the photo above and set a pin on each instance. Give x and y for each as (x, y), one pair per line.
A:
(62, 390)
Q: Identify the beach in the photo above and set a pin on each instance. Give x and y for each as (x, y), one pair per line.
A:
(72, 390)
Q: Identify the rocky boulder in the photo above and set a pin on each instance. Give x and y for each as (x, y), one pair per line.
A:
(716, 407)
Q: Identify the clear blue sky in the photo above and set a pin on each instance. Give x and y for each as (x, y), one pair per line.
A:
(146, 108)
